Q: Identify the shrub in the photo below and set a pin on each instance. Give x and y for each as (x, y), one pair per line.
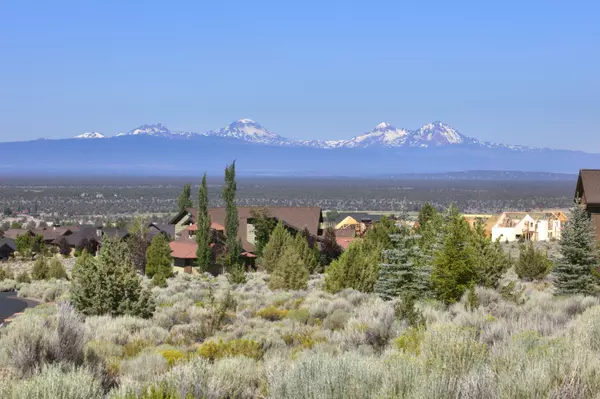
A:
(213, 350)
(300, 315)
(144, 367)
(40, 269)
(23, 277)
(357, 268)
(272, 313)
(173, 356)
(56, 270)
(6, 273)
(410, 341)
(290, 272)
(532, 263)
(337, 320)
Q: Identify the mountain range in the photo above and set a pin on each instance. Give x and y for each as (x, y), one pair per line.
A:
(153, 150)
(435, 134)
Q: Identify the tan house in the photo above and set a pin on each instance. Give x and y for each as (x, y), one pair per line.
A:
(588, 191)
(529, 226)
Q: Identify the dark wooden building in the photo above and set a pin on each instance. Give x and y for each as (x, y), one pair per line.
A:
(588, 191)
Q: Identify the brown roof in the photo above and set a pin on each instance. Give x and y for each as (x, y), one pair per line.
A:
(294, 216)
(14, 233)
(344, 242)
(589, 185)
(183, 249)
(346, 233)
(213, 225)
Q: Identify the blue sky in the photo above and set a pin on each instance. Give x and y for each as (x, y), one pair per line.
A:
(500, 71)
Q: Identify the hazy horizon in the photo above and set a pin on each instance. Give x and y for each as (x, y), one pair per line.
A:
(495, 72)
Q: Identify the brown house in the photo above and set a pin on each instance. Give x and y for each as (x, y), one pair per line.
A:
(588, 191)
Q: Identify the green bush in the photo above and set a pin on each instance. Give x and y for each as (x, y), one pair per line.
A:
(299, 315)
(532, 264)
(23, 277)
(6, 273)
(213, 350)
(56, 270)
(272, 313)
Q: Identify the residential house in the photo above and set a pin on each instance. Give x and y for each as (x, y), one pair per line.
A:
(488, 221)
(94, 235)
(529, 226)
(7, 248)
(296, 219)
(588, 191)
(359, 221)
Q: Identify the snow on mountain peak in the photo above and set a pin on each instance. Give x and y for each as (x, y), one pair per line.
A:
(150, 130)
(89, 135)
(383, 125)
(248, 130)
(437, 134)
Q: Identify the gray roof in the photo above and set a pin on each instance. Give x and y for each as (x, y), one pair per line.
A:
(8, 242)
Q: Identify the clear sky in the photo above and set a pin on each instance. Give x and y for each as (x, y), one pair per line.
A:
(517, 72)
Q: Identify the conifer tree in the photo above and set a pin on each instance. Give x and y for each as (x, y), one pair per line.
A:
(158, 260)
(357, 268)
(263, 227)
(429, 229)
(204, 255)
(308, 255)
(490, 258)
(56, 270)
(454, 267)
(273, 251)
(532, 264)
(330, 249)
(233, 245)
(579, 250)
(185, 198)
(40, 269)
(290, 273)
(402, 274)
(109, 284)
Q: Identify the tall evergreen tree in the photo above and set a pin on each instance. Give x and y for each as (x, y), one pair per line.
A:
(204, 255)
(330, 249)
(454, 267)
(403, 273)
(159, 261)
(233, 245)
(579, 249)
(263, 227)
(280, 239)
(308, 255)
(185, 198)
(490, 258)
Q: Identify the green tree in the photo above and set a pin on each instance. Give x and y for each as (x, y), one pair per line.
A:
(290, 273)
(332, 216)
(490, 258)
(40, 269)
(185, 198)
(308, 255)
(158, 260)
(109, 283)
(56, 270)
(532, 264)
(16, 225)
(429, 228)
(279, 241)
(379, 235)
(403, 273)
(63, 246)
(204, 254)
(357, 268)
(138, 242)
(579, 249)
(263, 227)
(454, 267)
(330, 249)
(24, 244)
(233, 245)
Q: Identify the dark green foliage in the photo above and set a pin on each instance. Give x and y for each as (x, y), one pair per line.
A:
(56, 270)
(408, 312)
(308, 255)
(185, 198)
(263, 227)
(109, 283)
(532, 264)
(402, 272)
(158, 260)
(138, 242)
(237, 274)
(454, 267)
(429, 228)
(204, 254)
(472, 299)
(491, 261)
(379, 235)
(40, 269)
(278, 242)
(357, 268)
(332, 216)
(28, 245)
(290, 273)
(233, 245)
(63, 246)
(579, 250)
(330, 249)
(86, 245)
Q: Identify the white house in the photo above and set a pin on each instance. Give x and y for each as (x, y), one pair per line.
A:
(530, 226)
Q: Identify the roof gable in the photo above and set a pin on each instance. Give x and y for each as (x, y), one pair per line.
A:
(588, 186)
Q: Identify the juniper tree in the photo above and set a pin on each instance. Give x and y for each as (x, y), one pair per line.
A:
(109, 284)
(40, 269)
(185, 198)
(233, 245)
(579, 250)
(263, 227)
(204, 255)
(290, 273)
(532, 264)
(158, 260)
(490, 258)
(278, 242)
(357, 268)
(429, 229)
(330, 249)
(308, 255)
(403, 273)
(454, 267)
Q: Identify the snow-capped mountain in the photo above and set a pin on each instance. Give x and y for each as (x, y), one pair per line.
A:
(89, 135)
(251, 131)
(156, 130)
(384, 135)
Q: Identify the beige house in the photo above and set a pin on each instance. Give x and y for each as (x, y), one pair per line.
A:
(529, 226)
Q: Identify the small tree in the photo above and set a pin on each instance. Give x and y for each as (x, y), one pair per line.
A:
(185, 198)
(578, 246)
(24, 244)
(308, 255)
(429, 229)
(357, 268)
(56, 270)
(273, 251)
(263, 227)
(490, 258)
(290, 273)
(158, 260)
(109, 284)
(40, 269)
(330, 249)
(532, 264)
(454, 267)
(403, 274)
(138, 242)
